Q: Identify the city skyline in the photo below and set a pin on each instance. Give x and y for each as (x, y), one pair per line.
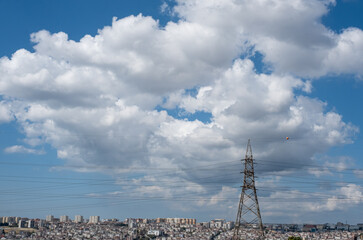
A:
(178, 220)
(170, 228)
(144, 108)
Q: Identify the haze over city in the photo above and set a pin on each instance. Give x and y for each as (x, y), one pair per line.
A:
(143, 109)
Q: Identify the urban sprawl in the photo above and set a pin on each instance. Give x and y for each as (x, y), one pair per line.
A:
(163, 229)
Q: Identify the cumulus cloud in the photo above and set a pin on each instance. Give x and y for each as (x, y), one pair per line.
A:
(95, 100)
(344, 57)
(289, 34)
(5, 112)
(142, 56)
(249, 105)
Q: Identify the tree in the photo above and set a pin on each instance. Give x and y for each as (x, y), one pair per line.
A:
(294, 238)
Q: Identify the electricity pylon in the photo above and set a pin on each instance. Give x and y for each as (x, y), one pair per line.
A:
(248, 214)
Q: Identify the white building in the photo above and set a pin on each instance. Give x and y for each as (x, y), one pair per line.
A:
(217, 223)
(154, 233)
(49, 218)
(94, 219)
(78, 219)
(31, 223)
(22, 224)
(132, 224)
(64, 218)
(228, 225)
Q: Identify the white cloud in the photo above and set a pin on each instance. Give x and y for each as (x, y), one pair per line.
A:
(141, 55)
(262, 107)
(5, 112)
(349, 195)
(289, 34)
(89, 102)
(318, 172)
(345, 56)
(22, 149)
(294, 203)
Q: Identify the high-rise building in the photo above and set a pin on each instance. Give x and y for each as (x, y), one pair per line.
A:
(64, 218)
(94, 219)
(31, 223)
(41, 223)
(228, 225)
(9, 220)
(22, 224)
(49, 218)
(132, 223)
(78, 219)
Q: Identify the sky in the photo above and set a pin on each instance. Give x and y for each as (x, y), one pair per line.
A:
(144, 108)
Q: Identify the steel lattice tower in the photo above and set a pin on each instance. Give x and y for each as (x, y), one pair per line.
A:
(248, 209)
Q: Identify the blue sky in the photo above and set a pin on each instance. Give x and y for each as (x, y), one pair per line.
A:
(149, 115)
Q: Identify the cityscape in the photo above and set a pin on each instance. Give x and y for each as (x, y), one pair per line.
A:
(164, 229)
